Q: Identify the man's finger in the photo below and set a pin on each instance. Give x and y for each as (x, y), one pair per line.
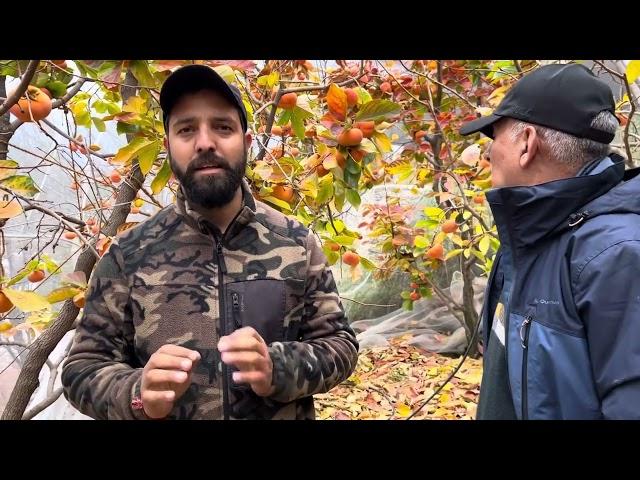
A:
(163, 361)
(250, 377)
(234, 342)
(179, 351)
(161, 378)
(244, 360)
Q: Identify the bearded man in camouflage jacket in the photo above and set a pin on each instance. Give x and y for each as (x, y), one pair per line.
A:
(217, 307)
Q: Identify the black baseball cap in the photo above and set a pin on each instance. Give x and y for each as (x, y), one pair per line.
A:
(193, 78)
(561, 97)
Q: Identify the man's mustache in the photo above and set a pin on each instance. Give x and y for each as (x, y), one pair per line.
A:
(208, 160)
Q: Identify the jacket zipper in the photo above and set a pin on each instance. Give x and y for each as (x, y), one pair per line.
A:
(222, 269)
(524, 340)
(235, 298)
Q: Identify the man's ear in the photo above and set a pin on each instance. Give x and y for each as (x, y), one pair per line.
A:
(166, 143)
(529, 144)
(247, 141)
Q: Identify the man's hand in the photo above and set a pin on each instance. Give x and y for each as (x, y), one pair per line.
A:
(246, 350)
(165, 378)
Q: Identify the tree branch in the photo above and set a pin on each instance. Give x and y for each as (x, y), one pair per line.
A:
(45, 343)
(22, 87)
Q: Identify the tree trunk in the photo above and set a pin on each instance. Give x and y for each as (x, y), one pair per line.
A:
(42, 347)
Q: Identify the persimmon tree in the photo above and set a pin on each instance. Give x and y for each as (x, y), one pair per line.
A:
(325, 133)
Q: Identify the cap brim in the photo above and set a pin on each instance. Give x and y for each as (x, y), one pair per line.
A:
(189, 79)
(482, 124)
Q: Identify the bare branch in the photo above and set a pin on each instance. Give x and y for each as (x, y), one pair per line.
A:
(47, 402)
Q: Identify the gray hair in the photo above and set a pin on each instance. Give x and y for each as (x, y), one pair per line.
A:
(564, 148)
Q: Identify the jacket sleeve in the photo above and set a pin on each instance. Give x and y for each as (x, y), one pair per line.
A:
(328, 351)
(607, 294)
(98, 377)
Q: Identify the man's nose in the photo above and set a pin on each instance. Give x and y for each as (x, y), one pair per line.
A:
(204, 140)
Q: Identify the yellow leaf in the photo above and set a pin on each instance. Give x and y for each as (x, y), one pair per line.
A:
(5, 325)
(403, 409)
(62, 293)
(484, 111)
(135, 105)
(41, 316)
(444, 398)
(10, 209)
(330, 162)
(633, 71)
(484, 244)
(382, 141)
(433, 372)
(27, 301)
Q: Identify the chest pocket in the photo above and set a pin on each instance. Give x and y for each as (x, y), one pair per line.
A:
(261, 304)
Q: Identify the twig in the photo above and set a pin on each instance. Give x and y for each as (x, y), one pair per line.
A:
(367, 304)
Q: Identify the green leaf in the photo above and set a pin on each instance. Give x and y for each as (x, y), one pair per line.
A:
(129, 152)
(367, 264)
(161, 178)
(325, 189)
(62, 293)
(99, 123)
(57, 88)
(125, 128)
(453, 253)
(284, 117)
(363, 95)
(633, 71)
(21, 184)
(344, 240)
(140, 70)
(7, 168)
(50, 264)
(27, 301)
(83, 119)
(147, 156)
(376, 109)
(420, 242)
(297, 123)
(332, 257)
(338, 224)
(407, 304)
(353, 197)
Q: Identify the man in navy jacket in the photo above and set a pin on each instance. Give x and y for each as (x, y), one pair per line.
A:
(562, 312)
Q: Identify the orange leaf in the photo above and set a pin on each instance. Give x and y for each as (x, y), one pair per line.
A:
(10, 209)
(337, 101)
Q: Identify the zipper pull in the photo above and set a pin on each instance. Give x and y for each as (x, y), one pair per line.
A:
(524, 331)
(235, 298)
(223, 266)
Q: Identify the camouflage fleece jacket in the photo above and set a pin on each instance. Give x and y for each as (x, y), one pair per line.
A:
(173, 279)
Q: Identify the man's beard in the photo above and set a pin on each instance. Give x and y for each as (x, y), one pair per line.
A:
(210, 191)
